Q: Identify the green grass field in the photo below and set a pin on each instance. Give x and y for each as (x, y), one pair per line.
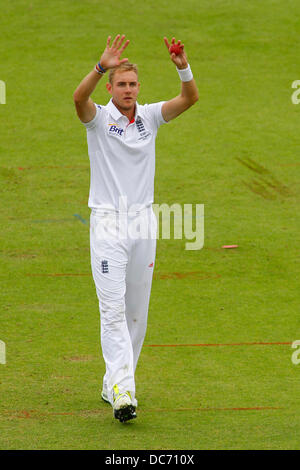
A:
(236, 151)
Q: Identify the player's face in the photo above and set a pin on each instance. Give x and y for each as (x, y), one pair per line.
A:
(124, 89)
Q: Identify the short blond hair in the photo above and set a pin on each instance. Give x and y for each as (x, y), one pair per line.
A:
(125, 67)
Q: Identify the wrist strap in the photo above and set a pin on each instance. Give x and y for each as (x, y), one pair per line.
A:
(99, 69)
(186, 75)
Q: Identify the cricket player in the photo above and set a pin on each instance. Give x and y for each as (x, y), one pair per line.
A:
(121, 146)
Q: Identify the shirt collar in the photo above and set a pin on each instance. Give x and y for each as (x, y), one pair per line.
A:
(116, 114)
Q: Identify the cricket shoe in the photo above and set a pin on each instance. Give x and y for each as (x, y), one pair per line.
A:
(123, 407)
(104, 396)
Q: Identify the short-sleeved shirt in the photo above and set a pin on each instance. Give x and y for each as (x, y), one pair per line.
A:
(122, 155)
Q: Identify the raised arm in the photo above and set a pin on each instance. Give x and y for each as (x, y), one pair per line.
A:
(189, 92)
(110, 58)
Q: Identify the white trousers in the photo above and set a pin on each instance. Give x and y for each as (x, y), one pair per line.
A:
(122, 266)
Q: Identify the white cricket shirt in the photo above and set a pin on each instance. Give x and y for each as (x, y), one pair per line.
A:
(122, 155)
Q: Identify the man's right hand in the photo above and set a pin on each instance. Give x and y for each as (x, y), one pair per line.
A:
(110, 58)
(111, 55)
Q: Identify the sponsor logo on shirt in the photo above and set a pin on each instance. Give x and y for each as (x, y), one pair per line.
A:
(113, 129)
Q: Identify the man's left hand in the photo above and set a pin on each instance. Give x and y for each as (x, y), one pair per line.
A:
(180, 60)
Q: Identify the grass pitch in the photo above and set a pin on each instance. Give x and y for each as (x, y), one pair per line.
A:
(236, 152)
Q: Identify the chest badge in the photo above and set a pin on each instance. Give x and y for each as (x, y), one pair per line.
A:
(144, 134)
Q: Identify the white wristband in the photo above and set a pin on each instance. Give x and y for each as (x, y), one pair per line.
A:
(186, 75)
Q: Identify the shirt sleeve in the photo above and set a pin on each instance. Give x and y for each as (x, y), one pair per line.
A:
(93, 123)
(154, 113)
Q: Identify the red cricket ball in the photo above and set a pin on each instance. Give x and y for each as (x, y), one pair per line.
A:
(175, 49)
